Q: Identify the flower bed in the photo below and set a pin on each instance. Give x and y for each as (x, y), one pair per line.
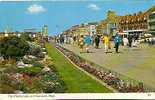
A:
(26, 68)
(110, 78)
(31, 80)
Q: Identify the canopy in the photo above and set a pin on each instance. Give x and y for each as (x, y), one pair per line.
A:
(123, 33)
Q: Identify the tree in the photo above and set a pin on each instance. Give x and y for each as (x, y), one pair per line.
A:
(35, 50)
(13, 47)
(26, 37)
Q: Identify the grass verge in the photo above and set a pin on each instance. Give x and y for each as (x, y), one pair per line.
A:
(75, 79)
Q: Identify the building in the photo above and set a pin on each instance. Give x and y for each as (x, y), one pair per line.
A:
(75, 30)
(92, 28)
(109, 25)
(4, 34)
(136, 24)
(101, 27)
(45, 31)
(81, 29)
(7, 32)
(31, 32)
(151, 23)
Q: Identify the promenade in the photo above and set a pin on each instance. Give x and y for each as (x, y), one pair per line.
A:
(136, 63)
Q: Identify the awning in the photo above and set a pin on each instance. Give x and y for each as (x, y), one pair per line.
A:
(123, 33)
(135, 30)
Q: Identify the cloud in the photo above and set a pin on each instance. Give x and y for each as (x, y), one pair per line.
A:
(94, 7)
(33, 9)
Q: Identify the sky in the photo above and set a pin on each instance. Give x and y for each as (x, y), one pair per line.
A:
(61, 15)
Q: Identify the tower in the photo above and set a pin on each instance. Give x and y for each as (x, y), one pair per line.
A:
(45, 31)
(8, 29)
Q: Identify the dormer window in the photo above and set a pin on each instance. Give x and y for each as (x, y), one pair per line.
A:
(138, 19)
(144, 18)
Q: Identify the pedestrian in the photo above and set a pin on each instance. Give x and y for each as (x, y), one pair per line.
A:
(106, 43)
(150, 41)
(74, 39)
(88, 42)
(61, 39)
(81, 43)
(153, 39)
(97, 41)
(71, 40)
(109, 44)
(93, 40)
(125, 41)
(65, 39)
(130, 40)
(55, 39)
(117, 41)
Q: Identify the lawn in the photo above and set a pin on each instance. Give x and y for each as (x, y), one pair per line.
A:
(76, 80)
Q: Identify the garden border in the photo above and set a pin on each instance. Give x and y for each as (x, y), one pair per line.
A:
(92, 76)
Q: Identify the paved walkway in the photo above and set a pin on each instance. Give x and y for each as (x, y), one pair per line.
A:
(137, 63)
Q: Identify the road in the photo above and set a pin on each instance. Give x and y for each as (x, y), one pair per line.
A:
(136, 63)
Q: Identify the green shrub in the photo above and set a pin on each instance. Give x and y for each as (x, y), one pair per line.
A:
(60, 87)
(37, 64)
(52, 67)
(30, 70)
(26, 61)
(10, 69)
(6, 89)
(41, 55)
(36, 50)
(34, 87)
(13, 47)
(4, 79)
(57, 85)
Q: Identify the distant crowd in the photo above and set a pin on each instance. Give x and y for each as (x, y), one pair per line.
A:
(86, 41)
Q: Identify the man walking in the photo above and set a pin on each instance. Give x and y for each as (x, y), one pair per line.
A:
(97, 41)
(88, 42)
(130, 40)
(117, 41)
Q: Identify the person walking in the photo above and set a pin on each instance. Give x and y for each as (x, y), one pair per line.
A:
(117, 41)
(81, 43)
(88, 42)
(61, 39)
(125, 41)
(97, 41)
(130, 40)
(106, 43)
(74, 39)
